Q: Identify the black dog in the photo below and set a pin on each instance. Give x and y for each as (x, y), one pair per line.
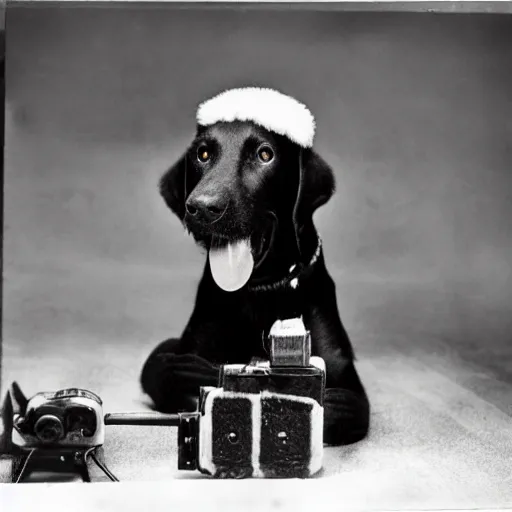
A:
(241, 181)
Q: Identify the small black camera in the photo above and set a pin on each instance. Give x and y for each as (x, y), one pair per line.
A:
(264, 419)
(69, 418)
(59, 432)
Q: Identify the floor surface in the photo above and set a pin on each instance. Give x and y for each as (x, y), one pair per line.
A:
(441, 432)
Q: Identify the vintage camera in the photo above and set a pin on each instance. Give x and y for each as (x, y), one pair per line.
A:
(265, 419)
(69, 418)
(53, 433)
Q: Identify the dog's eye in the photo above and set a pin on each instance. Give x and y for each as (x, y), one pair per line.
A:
(265, 154)
(203, 154)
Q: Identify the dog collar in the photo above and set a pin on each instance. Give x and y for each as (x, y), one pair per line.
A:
(265, 107)
(296, 273)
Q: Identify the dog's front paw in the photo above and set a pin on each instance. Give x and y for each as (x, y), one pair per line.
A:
(346, 416)
(172, 381)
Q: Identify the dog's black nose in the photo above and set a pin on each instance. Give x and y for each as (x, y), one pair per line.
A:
(205, 208)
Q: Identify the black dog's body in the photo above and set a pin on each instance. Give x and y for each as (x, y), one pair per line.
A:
(231, 327)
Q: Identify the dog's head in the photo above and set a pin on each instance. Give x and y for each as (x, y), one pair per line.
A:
(245, 178)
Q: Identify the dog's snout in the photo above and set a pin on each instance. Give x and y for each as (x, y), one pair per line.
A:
(205, 208)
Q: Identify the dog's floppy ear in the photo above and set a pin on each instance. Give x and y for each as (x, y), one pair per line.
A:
(173, 187)
(317, 185)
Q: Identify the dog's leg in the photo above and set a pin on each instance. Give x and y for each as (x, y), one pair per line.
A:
(346, 411)
(346, 407)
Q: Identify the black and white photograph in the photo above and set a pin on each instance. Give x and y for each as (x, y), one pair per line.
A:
(261, 251)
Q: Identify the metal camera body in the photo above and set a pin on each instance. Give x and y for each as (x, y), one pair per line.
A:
(66, 419)
(264, 419)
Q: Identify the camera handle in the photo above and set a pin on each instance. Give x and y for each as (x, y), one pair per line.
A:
(143, 419)
(187, 423)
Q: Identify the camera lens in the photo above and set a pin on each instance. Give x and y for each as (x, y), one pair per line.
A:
(49, 429)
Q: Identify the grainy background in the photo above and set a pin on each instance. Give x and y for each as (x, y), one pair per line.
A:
(414, 113)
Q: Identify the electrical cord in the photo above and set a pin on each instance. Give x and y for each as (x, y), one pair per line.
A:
(103, 467)
(24, 466)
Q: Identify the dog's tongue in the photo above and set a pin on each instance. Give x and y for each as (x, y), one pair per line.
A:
(231, 264)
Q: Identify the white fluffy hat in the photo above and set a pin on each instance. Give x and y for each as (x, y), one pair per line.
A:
(268, 108)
